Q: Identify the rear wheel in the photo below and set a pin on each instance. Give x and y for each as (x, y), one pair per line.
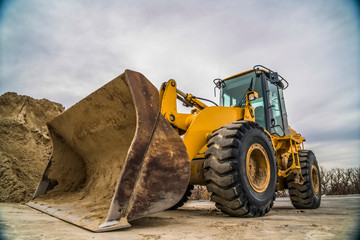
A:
(240, 169)
(308, 194)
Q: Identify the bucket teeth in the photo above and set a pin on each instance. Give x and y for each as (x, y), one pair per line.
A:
(115, 158)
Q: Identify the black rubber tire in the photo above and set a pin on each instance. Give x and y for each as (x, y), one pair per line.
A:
(305, 196)
(184, 199)
(225, 170)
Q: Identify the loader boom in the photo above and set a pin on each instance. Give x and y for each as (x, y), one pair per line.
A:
(196, 127)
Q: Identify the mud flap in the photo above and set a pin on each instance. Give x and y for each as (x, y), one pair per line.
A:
(115, 158)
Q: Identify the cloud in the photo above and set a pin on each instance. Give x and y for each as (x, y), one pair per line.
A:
(336, 153)
(64, 50)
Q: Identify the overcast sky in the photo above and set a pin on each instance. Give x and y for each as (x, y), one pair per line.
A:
(64, 50)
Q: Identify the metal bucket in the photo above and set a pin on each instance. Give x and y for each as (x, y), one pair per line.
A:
(115, 158)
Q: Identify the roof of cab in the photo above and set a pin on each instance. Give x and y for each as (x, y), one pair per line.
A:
(243, 73)
(239, 74)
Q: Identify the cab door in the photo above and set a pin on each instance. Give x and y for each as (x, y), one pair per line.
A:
(276, 111)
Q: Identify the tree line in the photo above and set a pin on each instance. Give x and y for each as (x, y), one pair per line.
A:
(340, 181)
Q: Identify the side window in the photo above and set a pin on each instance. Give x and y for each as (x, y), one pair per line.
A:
(281, 94)
(258, 104)
(226, 100)
(276, 123)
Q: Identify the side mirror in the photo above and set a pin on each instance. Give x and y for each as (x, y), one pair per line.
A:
(274, 77)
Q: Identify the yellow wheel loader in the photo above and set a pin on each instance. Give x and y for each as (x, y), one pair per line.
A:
(125, 151)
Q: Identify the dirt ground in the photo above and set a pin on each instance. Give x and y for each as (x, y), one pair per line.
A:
(337, 218)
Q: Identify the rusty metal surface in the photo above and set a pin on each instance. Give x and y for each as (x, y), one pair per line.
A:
(115, 158)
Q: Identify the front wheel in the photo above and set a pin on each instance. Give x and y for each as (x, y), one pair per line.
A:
(240, 169)
(308, 194)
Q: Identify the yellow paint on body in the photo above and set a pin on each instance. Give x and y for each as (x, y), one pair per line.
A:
(197, 126)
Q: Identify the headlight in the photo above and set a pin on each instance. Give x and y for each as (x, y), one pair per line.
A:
(251, 96)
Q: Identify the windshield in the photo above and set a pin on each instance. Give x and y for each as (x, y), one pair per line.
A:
(234, 92)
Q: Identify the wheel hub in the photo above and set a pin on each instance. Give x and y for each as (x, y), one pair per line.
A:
(315, 179)
(258, 168)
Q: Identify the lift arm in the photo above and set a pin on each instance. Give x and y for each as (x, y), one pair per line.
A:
(167, 95)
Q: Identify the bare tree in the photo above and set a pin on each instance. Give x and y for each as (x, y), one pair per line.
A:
(339, 181)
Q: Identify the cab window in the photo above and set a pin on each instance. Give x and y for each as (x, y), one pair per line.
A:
(233, 94)
(274, 103)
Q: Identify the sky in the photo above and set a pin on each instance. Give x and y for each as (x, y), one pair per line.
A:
(64, 50)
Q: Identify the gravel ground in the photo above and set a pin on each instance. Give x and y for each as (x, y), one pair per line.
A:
(337, 218)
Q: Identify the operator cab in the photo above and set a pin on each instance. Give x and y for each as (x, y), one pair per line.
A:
(270, 112)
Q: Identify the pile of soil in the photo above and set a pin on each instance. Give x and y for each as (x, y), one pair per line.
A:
(25, 145)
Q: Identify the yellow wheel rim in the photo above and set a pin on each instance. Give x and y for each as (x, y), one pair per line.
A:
(258, 168)
(315, 179)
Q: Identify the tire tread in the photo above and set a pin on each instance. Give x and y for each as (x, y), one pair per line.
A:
(221, 173)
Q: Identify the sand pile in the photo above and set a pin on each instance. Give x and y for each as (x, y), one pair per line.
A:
(25, 146)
